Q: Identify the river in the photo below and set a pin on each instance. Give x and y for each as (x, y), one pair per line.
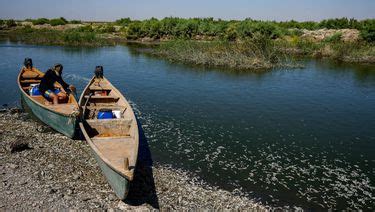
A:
(300, 137)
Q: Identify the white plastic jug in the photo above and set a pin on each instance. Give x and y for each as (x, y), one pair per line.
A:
(116, 113)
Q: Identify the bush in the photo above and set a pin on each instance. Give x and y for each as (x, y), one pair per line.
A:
(134, 30)
(75, 22)
(57, 21)
(40, 21)
(78, 37)
(334, 38)
(106, 29)
(10, 23)
(123, 21)
(368, 31)
(86, 28)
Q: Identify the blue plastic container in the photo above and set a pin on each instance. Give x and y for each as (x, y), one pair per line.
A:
(35, 91)
(105, 114)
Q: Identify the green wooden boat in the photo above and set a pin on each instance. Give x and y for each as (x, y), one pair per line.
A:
(114, 141)
(62, 117)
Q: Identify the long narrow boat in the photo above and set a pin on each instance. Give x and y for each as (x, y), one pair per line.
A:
(115, 140)
(62, 117)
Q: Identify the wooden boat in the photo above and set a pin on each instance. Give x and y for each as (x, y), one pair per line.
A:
(62, 117)
(114, 141)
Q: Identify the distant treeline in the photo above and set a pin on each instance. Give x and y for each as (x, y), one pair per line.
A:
(210, 27)
(231, 30)
(41, 21)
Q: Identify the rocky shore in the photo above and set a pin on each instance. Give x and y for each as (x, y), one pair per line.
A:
(42, 169)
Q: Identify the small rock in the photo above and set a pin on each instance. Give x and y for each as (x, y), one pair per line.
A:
(111, 197)
(67, 197)
(69, 192)
(13, 166)
(86, 198)
(18, 146)
(52, 190)
(50, 166)
(23, 182)
(15, 110)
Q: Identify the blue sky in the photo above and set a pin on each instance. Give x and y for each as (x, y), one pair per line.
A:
(107, 10)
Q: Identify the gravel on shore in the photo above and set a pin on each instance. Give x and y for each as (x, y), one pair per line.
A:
(42, 169)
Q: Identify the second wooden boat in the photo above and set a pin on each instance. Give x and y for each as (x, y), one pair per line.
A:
(62, 117)
(114, 140)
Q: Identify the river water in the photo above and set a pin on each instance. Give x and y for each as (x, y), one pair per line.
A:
(302, 137)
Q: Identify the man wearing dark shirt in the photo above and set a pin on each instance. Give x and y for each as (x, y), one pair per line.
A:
(47, 85)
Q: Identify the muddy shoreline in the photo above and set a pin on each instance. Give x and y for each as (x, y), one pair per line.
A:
(42, 169)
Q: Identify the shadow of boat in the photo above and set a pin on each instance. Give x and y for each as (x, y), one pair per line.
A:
(142, 188)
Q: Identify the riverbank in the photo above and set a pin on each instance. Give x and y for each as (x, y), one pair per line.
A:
(247, 45)
(41, 169)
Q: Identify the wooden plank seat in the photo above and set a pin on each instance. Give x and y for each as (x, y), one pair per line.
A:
(100, 88)
(30, 81)
(103, 97)
(114, 107)
(103, 128)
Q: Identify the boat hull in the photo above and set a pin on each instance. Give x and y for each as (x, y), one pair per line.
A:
(118, 183)
(63, 124)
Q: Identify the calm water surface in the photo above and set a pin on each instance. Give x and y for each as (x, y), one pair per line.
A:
(301, 137)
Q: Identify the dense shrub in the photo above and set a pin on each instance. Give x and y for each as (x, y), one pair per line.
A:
(10, 23)
(334, 38)
(40, 21)
(106, 29)
(78, 37)
(86, 28)
(123, 21)
(75, 22)
(368, 30)
(58, 21)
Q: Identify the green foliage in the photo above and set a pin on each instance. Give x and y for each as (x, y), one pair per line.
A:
(40, 21)
(339, 23)
(123, 21)
(368, 30)
(105, 28)
(334, 38)
(78, 37)
(10, 23)
(2, 22)
(58, 21)
(75, 22)
(258, 53)
(86, 28)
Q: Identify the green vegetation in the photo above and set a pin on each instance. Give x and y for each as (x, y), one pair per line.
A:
(53, 22)
(72, 37)
(58, 21)
(246, 44)
(40, 21)
(257, 53)
(231, 30)
(75, 22)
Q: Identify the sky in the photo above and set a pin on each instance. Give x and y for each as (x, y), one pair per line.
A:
(110, 10)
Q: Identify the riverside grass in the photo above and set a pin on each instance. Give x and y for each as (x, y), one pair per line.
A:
(258, 54)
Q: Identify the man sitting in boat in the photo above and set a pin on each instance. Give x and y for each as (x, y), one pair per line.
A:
(28, 66)
(48, 82)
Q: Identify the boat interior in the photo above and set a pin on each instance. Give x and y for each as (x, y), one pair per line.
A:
(29, 78)
(115, 138)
